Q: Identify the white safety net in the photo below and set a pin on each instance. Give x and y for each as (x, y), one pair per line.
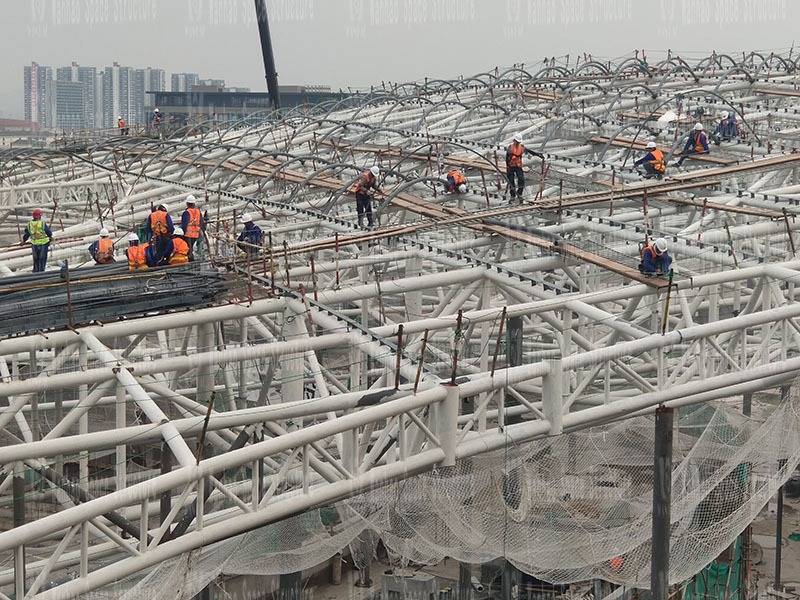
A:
(570, 508)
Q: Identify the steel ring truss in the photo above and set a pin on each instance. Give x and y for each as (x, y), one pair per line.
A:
(319, 401)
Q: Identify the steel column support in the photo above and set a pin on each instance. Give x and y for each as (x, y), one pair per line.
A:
(662, 500)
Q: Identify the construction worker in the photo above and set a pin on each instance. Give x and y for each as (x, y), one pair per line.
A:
(136, 253)
(123, 129)
(102, 251)
(456, 182)
(177, 250)
(696, 144)
(655, 258)
(726, 129)
(192, 223)
(514, 165)
(653, 161)
(367, 184)
(159, 228)
(250, 238)
(40, 237)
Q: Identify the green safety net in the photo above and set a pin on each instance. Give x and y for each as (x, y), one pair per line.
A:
(721, 579)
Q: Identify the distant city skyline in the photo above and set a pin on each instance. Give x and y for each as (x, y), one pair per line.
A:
(95, 97)
(358, 43)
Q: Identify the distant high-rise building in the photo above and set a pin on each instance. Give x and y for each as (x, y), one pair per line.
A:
(66, 109)
(35, 93)
(147, 80)
(119, 84)
(91, 96)
(183, 82)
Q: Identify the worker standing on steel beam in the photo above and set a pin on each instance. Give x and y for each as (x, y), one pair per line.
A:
(726, 129)
(160, 228)
(367, 184)
(696, 144)
(250, 238)
(655, 258)
(123, 128)
(102, 251)
(136, 253)
(156, 119)
(177, 251)
(514, 165)
(40, 236)
(192, 223)
(456, 182)
(653, 161)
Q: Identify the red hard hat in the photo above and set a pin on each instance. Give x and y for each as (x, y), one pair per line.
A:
(37, 212)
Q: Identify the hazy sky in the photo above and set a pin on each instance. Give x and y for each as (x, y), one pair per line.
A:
(363, 42)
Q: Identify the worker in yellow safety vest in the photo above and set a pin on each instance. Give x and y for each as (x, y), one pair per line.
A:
(40, 237)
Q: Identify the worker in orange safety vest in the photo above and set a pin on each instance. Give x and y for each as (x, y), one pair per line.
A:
(137, 259)
(192, 223)
(514, 165)
(102, 251)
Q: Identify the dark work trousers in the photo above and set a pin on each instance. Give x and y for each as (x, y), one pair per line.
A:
(160, 242)
(190, 241)
(516, 172)
(364, 205)
(39, 257)
(651, 170)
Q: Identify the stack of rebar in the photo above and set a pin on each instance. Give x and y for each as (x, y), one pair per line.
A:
(39, 301)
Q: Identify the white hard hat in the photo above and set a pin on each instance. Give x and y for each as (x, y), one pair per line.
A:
(177, 231)
(164, 206)
(156, 110)
(119, 117)
(724, 114)
(518, 137)
(660, 245)
(190, 199)
(651, 145)
(104, 232)
(375, 171)
(462, 188)
(133, 237)
(247, 217)
(698, 127)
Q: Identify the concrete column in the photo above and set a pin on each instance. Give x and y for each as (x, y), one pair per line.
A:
(662, 499)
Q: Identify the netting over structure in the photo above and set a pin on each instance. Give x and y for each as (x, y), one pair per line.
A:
(565, 509)
(444, 379)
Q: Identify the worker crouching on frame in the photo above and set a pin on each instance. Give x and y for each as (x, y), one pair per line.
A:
(655, 258)
(136, 253)
(102, 251)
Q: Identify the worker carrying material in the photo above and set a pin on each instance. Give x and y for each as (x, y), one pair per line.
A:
(250, 237)
(102, 251)
(366, 186)
(40, 236)
(514, 165)
(696, 144)
(653, 161)
(456, 182)
(123, 128)
(655, 258)
(159, 228)
(136, 253)
(192, 223)
(177, 251)
(726, 129)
